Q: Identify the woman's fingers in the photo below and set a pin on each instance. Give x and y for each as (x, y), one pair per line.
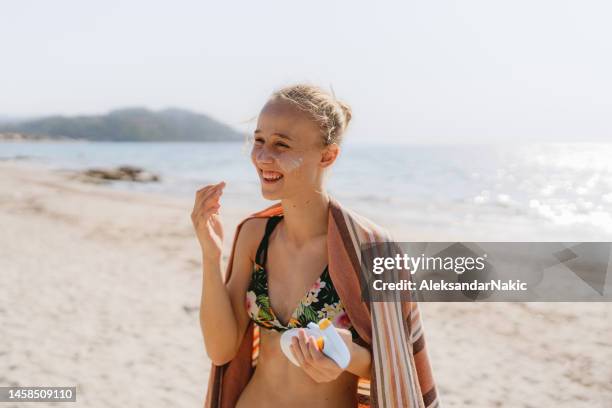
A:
(312, 356)
(301, 348)
(207, 215)
(207, 197)
(204, 192)
(209, 204)
(313, 351)
(207, 224)
(199, 194)
(208, 207)
(319, 367)
(303, 343)
(297, 351)
(209, 194)
(208, 187)
(197, 202)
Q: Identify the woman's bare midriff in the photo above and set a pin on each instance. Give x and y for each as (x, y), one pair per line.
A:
(277, 383)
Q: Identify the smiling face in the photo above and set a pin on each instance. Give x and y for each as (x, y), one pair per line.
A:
(288, 151)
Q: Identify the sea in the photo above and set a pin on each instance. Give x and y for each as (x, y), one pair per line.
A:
(503, 192)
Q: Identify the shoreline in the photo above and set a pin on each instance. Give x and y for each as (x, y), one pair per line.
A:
(28, 138)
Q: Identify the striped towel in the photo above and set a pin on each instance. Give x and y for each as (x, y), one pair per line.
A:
(401, 375)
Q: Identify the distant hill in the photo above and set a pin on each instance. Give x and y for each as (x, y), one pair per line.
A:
(10, 119)
(132, 124)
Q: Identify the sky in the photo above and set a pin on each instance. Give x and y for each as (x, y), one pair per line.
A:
(415, 71)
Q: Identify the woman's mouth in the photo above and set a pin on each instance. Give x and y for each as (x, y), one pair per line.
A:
(271, 177)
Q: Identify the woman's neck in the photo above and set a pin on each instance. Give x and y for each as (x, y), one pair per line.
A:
(305, 218)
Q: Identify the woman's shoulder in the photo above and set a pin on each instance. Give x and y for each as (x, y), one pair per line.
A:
(251, 232)
(253, 226)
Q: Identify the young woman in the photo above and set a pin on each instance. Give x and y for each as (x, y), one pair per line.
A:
(278, 276)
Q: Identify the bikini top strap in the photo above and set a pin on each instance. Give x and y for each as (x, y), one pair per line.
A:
(263, 246)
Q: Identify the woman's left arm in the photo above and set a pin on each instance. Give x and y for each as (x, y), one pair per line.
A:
(322, 368)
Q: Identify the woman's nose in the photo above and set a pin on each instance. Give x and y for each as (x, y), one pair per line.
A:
(263, 156)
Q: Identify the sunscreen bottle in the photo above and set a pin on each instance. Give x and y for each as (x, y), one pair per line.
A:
(328, 341)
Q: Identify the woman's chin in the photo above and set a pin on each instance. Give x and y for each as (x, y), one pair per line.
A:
(270, 195)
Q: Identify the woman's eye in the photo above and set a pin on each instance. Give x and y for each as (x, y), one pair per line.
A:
(260, 141)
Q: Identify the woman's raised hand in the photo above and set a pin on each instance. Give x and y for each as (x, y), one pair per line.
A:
(206, 221)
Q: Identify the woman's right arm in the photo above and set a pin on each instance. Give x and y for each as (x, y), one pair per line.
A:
(223, 317)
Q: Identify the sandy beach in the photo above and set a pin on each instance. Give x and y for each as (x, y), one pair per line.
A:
(101, 288)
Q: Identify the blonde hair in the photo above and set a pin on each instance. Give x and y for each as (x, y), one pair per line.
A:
(332, 115)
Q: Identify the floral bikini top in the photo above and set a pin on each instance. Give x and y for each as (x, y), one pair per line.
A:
(320, 301)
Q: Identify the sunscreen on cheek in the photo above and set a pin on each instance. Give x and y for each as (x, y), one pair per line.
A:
(289, 163)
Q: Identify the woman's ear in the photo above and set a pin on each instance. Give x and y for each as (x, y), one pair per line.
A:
(329, 154)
